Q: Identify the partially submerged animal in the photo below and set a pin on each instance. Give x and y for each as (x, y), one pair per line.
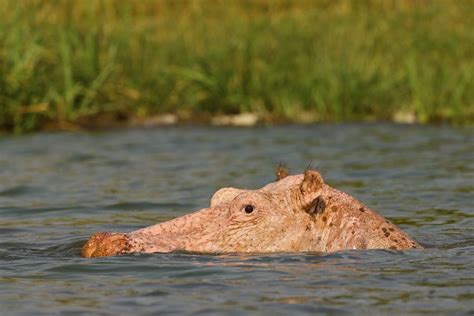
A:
(297, 213)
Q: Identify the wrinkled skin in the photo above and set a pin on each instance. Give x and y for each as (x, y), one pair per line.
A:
(294, 214)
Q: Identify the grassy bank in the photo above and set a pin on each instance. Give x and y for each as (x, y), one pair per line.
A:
(63, 62)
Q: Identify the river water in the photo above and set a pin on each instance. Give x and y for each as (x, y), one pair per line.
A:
(56, 189)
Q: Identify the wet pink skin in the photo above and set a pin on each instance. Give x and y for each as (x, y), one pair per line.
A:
(297, 213)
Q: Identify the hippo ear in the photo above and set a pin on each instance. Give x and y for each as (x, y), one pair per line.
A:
(281, 172)
(310, 189)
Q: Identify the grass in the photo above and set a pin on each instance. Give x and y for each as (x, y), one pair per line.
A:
(63, 62)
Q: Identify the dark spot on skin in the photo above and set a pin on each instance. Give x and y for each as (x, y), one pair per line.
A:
(324, 219)
(387, 234)
(319, 238)
(391, 229)
(353, 232)
(395, 240)
(384, 229)
(393, 247)
(333, 208)
(330, 224)
(386, 221)
(362, 209)
(308, 227)
(404, 239)
(128, 246)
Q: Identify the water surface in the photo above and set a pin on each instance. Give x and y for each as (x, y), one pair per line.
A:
(58, 189)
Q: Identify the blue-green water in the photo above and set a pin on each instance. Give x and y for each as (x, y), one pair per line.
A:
(58, 189)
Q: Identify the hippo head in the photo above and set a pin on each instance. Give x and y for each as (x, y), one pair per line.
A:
(295, 213)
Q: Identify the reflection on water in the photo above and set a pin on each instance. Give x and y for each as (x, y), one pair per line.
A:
(57, 189)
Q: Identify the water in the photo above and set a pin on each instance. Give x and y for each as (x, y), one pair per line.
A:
(58, 189)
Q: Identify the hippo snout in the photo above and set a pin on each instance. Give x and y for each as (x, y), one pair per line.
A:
(105, 244)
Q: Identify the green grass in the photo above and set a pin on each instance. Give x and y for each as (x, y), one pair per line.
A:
(66, 61)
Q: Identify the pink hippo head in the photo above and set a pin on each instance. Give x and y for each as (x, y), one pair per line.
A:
(297, 213)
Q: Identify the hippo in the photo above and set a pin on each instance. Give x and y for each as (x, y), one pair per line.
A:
(296, 213)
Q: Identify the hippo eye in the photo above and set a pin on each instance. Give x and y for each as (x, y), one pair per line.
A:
(248, 209)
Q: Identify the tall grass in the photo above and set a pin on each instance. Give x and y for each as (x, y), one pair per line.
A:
(65, 61)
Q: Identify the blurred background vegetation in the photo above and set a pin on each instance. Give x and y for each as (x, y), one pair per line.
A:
(66, 62)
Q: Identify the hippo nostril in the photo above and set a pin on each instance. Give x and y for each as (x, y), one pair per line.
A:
(248, 209)
(105, 244)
